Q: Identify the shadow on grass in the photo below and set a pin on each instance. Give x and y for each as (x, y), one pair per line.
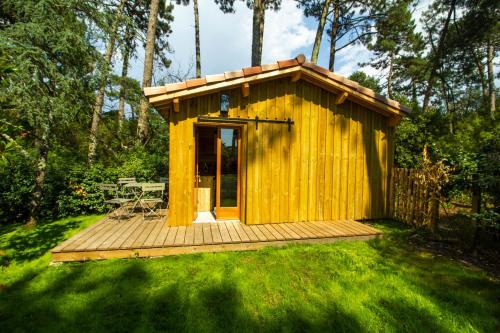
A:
(298, 289)
(25, 244)
(122, 302)
(439, 280)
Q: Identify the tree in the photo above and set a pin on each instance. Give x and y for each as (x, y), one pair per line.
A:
(51, 83)
(123, 88)
(259, 8)
(136, 27)
(366, 81)
(437, 50)
(196, 33)
(395, 38)
(491, 78)
(106, 65)
(156, 7)
(142, 126)
(350, 22)
(319, 31)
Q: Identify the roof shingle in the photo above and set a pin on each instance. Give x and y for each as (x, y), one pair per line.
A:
(299, 61)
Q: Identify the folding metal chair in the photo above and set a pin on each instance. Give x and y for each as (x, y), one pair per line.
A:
(123, 181)
(112, 198)
(165, 193)
(151, 198)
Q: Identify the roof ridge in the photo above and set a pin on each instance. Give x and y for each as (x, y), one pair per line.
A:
(299, 60)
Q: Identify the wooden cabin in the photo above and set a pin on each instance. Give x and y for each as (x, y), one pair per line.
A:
(283, 142)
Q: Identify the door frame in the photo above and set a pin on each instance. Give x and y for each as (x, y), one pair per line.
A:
(228, 213)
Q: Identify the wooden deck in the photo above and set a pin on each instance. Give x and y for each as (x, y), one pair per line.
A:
(111, 238)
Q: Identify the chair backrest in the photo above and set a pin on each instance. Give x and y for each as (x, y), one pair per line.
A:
(108, 188)
(163, 180)
(122, 181)
(153, 187)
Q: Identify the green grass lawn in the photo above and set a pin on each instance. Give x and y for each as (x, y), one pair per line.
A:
(375, 286)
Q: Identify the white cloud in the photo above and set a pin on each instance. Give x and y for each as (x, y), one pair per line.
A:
(226, 39)
(285, 32)
(348, 60)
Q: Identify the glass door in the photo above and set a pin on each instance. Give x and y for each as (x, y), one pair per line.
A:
(228, 173)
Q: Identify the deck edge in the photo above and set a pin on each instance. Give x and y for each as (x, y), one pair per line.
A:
(209, 248)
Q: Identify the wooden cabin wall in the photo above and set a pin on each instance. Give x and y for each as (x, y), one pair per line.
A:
(333, 164)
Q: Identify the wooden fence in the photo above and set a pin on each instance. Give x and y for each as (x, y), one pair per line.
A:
(412, 202)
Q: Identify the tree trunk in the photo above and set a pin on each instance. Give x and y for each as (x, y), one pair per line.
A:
(437, 58)
(333, 36)
(319, 32)
(414, 92)
(484, 84)
(197, 38)
(389, 76)
(142, 124)
(121, 105)
(259, 12)
(99, 102)
(42, 145)
(491, 79)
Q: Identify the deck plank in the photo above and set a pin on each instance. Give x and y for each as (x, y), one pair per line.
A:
(235, 238)
(351, 228)
(118, 232)
(363, 226)
(216, 236)
(101, 240)
(162, 236)
(98, 238)
(330, 228)
(291, 232)
(169, 241)
(253, 237)
(224, 233)
(181, 234)
(241, 232)
(198, 234)
(117, 243)
(139, 241)
(269, 236)
(255, 229)
(189, 237)
(79, 235)
(79, 241)
(318, 230)
(304, 231)
(134, 237)
(279, 228)
(129, 242)
(154, 233)
(207, 234)
(273, 231)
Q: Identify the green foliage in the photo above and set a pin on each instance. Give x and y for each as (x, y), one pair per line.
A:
(413, 133)
(473, 150)
(80, 193)
(366, 81)
(16, 184)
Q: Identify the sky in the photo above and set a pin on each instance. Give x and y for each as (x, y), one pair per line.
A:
(226, 40)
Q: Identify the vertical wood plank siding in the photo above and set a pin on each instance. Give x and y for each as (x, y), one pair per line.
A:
(334, 164)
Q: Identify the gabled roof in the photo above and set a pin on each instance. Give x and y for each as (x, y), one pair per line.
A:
(298, 68)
